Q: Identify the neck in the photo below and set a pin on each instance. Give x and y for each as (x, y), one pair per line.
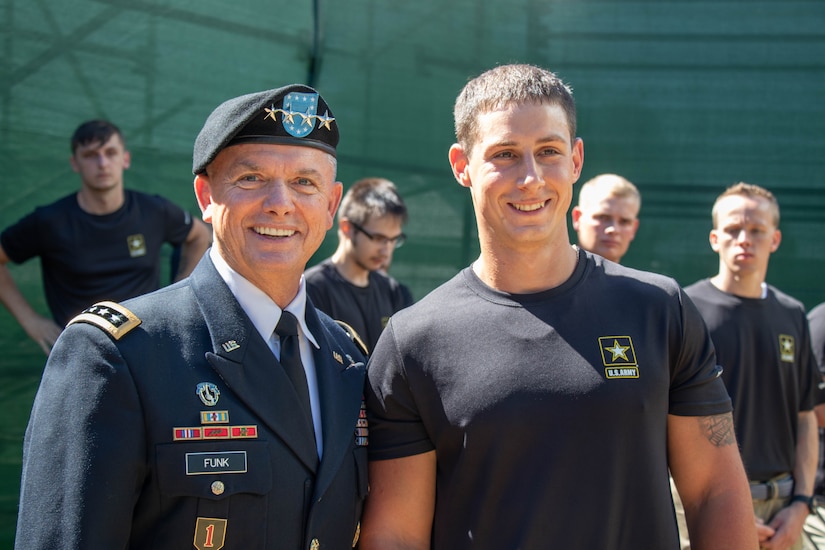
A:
(744, 285)
(520, 273)
(349, 269)
(100, 202)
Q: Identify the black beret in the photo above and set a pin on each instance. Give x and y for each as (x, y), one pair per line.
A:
(292, 115)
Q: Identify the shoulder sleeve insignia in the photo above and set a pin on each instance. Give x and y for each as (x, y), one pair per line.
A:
(354, 337)
(111, 317)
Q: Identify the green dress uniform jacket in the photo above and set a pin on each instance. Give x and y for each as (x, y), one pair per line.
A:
(183, 431)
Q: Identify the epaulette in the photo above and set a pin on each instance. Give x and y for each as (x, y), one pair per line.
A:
(354, 337)
(111, 317)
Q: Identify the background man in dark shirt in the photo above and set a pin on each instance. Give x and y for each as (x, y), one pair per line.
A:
(352, 285)
(101, 243)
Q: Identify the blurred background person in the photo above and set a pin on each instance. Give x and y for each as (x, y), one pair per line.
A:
(352, 285)
(606, 218)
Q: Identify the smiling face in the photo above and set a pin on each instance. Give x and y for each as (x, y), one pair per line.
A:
(745, 235)
(520, 172)
(270, 207)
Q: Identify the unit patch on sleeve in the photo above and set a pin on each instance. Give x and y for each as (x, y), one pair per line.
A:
(618, 357)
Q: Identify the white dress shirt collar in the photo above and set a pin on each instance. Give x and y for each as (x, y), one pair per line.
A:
(260, 308)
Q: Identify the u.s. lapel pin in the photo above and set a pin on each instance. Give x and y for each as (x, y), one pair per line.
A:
(230, 345)
(352, 362)
(338, 357)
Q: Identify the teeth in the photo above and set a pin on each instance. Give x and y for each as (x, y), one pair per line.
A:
(529, 207)
(272, 232)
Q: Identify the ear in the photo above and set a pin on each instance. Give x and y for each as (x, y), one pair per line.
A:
(775, 240)
(345, 227)
(204, 196)
(576, 213)
(578, 158)
(635, 228)
(127, 159)
(460, 162)
(334, 200)
(73, 162)
(714, 240)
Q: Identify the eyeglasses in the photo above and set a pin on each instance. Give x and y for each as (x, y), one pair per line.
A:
(396, 242)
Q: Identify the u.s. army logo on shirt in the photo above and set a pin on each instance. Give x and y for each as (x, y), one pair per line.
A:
(786, 348)
(137, 245)
(618, 356)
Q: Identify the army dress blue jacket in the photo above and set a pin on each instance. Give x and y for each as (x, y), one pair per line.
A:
(183, 431)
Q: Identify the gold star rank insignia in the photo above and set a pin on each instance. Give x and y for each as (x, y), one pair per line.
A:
(618, 357)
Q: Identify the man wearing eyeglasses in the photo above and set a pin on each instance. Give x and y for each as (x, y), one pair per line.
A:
(350, 286)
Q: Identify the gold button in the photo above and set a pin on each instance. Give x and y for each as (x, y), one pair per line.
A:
(314, 545)
(218, 488)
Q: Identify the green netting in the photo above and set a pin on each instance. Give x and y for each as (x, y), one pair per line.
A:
(682, 98)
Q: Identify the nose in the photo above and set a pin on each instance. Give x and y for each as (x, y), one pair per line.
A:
(532, 174)
(742, 237)
(278, 198)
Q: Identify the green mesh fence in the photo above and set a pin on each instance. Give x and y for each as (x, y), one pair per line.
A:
(682, 98)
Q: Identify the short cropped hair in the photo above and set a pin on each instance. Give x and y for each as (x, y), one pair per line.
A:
(610, 185)
(504, 85)
(370, 198)
(95, 131)
(751, 191)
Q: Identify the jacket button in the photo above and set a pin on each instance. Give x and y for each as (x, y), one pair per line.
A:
(314, 545)
(218, 487)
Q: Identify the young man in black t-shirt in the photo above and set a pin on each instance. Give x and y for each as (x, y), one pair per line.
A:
(763, 345)
(101, 243)
(352, 285)
(537, 399)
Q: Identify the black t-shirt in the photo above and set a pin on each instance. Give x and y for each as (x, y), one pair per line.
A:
(86, 258)
(548, 411)
(365, 309)
(764, 347)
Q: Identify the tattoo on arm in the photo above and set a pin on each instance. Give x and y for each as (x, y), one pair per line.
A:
(718, 429)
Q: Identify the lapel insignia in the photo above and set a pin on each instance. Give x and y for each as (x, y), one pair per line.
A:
(230, 345)
(209, 393)
(337, 357)
(352, 362)
(214, 417)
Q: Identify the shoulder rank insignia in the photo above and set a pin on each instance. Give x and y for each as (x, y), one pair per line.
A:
(111, 317)
(354, 337)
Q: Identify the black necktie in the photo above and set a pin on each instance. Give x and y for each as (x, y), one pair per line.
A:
(287, 331)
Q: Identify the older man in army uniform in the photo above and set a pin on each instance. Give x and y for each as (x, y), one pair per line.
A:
(196, 415)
